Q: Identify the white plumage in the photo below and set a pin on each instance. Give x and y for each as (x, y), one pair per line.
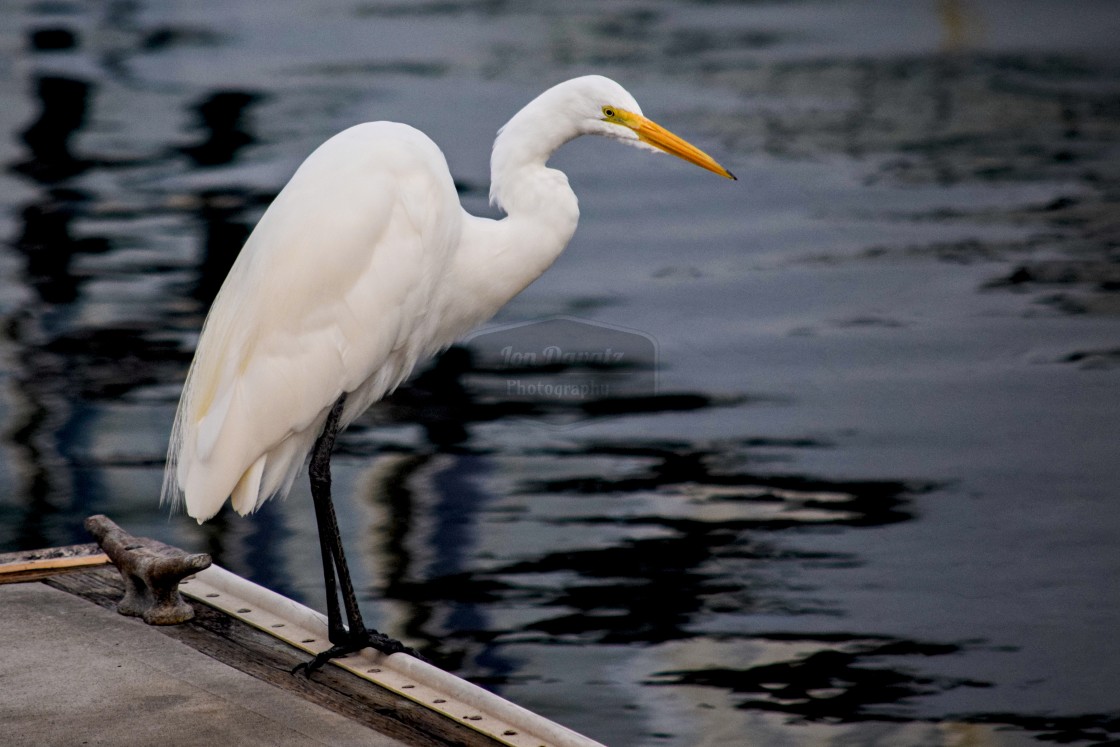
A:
(364, 265)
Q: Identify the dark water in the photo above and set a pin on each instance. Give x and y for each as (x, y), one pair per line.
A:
(872, 497)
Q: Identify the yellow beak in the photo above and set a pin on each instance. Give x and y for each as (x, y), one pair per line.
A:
(654, 134)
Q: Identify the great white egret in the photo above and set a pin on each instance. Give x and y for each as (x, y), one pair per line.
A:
(364, 265)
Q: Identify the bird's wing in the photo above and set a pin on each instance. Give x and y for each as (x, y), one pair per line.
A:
(331, 294)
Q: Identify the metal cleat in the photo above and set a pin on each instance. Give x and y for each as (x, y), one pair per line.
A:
(151, 571)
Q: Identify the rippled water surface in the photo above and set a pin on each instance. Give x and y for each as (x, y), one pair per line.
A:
(862, 487)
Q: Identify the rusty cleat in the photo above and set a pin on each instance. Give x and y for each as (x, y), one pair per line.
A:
(151, 571)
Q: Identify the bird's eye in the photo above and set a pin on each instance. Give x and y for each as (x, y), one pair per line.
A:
(609, 113)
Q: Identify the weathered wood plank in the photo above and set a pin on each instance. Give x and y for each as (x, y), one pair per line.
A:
(34, 565)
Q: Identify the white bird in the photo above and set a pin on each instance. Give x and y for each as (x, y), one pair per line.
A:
(364, 265)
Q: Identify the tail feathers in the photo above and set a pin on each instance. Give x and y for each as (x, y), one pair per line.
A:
(202, 486)
(246, 494)
(201, 496)
(216, 459)
(206, 486)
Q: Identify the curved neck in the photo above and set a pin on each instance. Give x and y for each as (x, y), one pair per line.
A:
(497, 259)
(520, 156)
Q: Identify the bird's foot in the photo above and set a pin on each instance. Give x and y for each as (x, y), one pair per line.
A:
(365, 639)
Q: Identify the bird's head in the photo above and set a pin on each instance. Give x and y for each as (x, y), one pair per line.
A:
(594, 105)
(602, 107)
(591, 105)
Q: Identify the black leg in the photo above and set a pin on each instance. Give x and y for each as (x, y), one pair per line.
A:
(354, 636)
(330, 539)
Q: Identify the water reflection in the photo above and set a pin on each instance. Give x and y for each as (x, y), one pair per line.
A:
(222, 117)
(221, 215)
(692, 529)
(699, 562)
(49, 247)
(37, 489)
(63, 104)
(845, 678)
(704, 517)
(70, 354)
(225, 215)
